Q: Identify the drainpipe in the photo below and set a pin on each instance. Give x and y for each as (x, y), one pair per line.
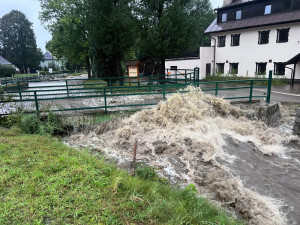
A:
(292, 75)
(214, 70)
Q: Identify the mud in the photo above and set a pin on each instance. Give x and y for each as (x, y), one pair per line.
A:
(187, 139)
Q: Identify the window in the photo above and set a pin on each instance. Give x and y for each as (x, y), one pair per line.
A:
(263, 37)
(268, 9)
(279, 68)
(235, 39)
(234, 68)
(238, 15)
(283, 35)
(224, 17)
(220, 68)
(287, 5)
(261, 68)
(221, 41)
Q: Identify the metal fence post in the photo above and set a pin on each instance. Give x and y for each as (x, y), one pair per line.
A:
(164, 92)
(251, 91)
(19, 89)
(269, 86)
(105, 102)
(67, 88)
(36, 102)
(217, 87)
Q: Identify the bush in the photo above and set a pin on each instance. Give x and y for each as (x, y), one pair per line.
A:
(30, 124)
(48, 124)
(6, 71)
(51, 124)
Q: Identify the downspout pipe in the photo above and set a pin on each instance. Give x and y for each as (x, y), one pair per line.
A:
(292, 75)
(214, 67)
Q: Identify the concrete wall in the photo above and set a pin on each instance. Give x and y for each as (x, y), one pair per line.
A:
(249, 52)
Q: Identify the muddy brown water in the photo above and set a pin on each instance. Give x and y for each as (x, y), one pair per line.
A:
(268, 175)
(237, 162)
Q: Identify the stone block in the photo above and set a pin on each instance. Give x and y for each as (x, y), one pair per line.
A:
(268, 112)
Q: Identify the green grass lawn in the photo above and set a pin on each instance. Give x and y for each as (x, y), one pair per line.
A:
(43, 181)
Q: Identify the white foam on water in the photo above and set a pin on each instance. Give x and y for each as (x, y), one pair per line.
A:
(183, 136)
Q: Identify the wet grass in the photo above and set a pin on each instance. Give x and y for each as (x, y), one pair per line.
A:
(43, 181)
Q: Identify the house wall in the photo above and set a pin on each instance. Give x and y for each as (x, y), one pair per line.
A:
(297, 74)
(206, 56)
(183, 63)
(58, 62)
(249, 52)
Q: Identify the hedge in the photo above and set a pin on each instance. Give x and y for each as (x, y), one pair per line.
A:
(6, 71)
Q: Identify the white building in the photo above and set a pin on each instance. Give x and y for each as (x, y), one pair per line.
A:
(252, 37)
(50, 60)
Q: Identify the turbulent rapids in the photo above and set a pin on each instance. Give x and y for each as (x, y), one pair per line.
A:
(201, 139)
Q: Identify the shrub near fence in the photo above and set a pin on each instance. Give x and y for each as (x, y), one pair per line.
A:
(7, 71)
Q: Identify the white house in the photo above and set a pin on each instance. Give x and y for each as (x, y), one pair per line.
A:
(50, 60)
(252, 37)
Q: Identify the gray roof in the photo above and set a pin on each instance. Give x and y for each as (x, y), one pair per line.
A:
(47, 56)
(294, 60)
(259, 21)
(4, 61)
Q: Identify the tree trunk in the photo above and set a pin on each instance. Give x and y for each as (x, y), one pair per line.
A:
(161, 71)
(88, 65)
(120, 72)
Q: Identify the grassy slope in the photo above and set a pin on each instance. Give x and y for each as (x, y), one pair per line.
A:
(44, 182)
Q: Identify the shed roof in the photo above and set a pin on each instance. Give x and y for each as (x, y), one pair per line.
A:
(132, 63)
(259, 21)
(4, 61)
(293, 60)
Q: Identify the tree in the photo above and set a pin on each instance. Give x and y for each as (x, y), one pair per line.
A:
(111, 35)
(18, 43)
(67, 21)
(169, 27)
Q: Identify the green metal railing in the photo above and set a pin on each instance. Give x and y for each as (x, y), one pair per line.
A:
(106, 93)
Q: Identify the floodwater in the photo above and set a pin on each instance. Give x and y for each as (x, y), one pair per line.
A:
(245, 166)
(269, 175)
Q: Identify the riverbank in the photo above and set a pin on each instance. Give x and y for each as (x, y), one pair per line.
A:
(42, 181)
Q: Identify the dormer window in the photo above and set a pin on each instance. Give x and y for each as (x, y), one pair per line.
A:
(268, 9)
(238, 15)
(287, 5)
(224, 17)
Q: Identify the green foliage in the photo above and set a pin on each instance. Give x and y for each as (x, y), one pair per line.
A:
(51, 124)
(12, 119)
(67, 21)
(42, 181)
(111, 34)
(47, 124)
(21, 51)
(7, 71)
(146, 172)
(30, 124)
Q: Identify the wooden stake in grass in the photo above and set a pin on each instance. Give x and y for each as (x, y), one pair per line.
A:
(134, 157)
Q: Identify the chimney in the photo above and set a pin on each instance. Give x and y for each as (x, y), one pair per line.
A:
(226, 2)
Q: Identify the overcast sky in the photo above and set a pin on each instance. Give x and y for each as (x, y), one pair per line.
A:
(31, 9)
